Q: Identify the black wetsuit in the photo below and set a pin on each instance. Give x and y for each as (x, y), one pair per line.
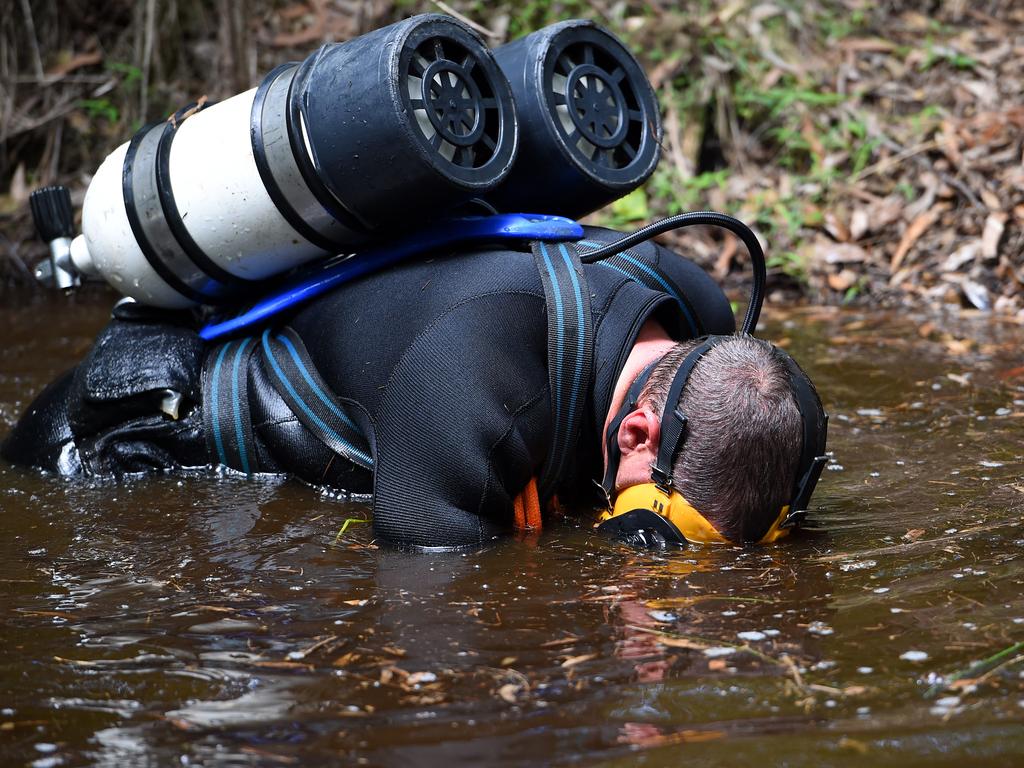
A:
(440, 365)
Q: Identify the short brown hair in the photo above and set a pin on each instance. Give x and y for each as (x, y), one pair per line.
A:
(738, 462)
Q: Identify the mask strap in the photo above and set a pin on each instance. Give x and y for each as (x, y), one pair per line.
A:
(673, 420)
(611, 436)
(812, 451)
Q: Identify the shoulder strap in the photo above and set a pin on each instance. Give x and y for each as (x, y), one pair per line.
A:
(226, 419)
(300, 385)
(570, 350)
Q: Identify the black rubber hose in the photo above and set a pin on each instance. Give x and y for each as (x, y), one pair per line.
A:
(701, 218)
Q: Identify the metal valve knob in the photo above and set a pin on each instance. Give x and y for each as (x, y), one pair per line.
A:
(54, 219)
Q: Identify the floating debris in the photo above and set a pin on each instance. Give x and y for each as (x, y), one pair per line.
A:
(819, 628)
(719, 650)
(914, 656)
(976, 671)
(666, 617)
(751, 635)
(857, 565)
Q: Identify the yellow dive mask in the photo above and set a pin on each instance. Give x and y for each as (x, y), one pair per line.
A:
(655, 513)
(646, 514)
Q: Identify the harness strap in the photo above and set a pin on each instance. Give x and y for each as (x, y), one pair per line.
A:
(228, 426)
(673, 420)
(632, 266)
(570, 351)
(300, 385)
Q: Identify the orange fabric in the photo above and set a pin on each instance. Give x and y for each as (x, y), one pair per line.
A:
(517, 506)
(527, 508)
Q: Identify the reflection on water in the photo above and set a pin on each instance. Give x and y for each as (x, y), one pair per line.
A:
(215, 620)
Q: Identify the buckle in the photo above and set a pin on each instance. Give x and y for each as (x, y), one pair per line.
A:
(662, 479)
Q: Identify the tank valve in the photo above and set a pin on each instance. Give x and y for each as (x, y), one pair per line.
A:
(51, 210)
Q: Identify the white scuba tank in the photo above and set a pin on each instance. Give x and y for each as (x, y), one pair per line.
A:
(382, 132)
(222, 202)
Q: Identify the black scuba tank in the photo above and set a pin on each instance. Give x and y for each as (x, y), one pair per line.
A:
(590, 128)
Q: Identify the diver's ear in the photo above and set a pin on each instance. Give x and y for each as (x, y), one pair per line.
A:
(639, 431)
(639, 435)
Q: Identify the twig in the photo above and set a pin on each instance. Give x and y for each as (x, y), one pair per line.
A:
(794, 672)
(897, 548)
(899, 157)
(965, 191)
(47, 80)
(147, 58)
(745, 648)
(979, 669)
(345, 525)
(466, 20)
(37, 59)
(63, 108)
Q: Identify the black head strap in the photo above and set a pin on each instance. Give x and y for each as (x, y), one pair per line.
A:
(812, 451)
(612, 435)
(673, 420)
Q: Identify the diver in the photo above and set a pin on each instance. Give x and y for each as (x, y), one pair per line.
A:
(432, 385)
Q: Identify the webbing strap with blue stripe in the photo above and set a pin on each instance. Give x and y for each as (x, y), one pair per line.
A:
(226, 418)
(297, 380)
(570, 351)
(632, 266)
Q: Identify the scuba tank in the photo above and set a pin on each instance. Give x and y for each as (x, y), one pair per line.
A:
(384, 131)
(387, 132)
(590, 127)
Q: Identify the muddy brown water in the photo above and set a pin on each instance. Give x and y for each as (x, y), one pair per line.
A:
(214, 620)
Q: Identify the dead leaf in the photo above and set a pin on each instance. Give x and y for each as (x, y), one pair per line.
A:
(837, 227)
(282, 665)
(1011, 373)
(962, 255)
(682, 642)
(977, 294)
(913, 534)
(842, 281)
(345, 659)
(824, 251)
(992, 234)
(572, 661)
(560, 641)
(509, 692)
(854, 745)
(419, 678)
(866, 45)
(18, 191)
(717, 665)
(917, 228)
(665, 71)
(859, 224)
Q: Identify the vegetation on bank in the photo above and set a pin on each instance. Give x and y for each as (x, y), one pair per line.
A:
(877, 147)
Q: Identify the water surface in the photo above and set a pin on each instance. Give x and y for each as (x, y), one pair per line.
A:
(214, 620)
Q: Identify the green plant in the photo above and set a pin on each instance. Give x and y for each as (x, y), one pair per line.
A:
(99, 109)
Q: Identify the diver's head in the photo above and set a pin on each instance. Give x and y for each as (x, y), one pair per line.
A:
(721, 437)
